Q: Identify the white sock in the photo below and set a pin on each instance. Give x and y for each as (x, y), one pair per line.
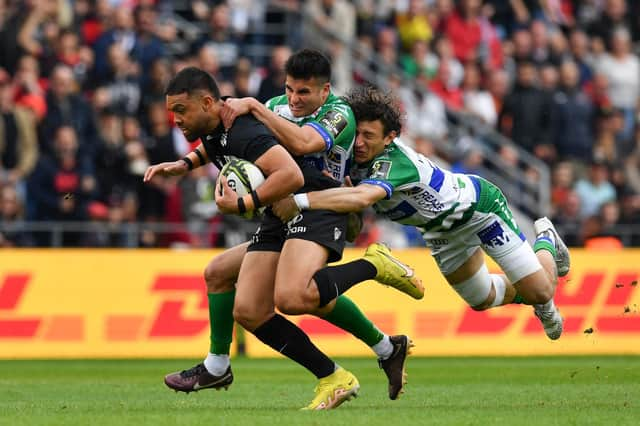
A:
(501, 287)
(549, 306)
(217, 364)
(383, 348)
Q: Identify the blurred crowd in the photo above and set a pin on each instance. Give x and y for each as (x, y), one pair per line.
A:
(83, 114)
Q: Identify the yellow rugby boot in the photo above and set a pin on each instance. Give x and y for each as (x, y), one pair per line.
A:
(392, 272)
(333, 390)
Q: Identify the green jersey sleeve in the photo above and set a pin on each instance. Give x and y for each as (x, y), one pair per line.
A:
(336, 124)
(390, 170)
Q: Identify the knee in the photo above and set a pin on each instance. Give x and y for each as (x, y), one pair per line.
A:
(290, 304)
(541, 294)
(217, 279)
(246, 316)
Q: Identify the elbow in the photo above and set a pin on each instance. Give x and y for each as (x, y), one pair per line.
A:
(362, 201)
(297, 150)
(361, 204)
(295, 179)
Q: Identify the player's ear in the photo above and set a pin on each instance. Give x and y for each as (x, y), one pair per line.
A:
(207, 102)
(390, 137)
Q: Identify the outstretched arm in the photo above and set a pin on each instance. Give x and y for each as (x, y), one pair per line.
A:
(196, 158)
(341, 200)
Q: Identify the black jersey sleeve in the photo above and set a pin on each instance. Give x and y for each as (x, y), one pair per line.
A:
(248, 138)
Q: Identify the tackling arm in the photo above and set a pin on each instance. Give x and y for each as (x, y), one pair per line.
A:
(298, 140)
(346, 199)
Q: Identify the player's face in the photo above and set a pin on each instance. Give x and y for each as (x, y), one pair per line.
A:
(305, 96)
(371, 140)
(193, 114)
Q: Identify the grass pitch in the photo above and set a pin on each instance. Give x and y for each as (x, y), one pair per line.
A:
(441, 391)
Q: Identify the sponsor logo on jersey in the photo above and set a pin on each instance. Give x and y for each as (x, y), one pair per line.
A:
(380, 169)
(438, 242)
(425, 199)
(493, 235)
(292, 228)
(334, 122)
(334, 164)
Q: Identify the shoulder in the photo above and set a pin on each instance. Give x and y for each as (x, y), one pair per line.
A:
(396, 162)
(337, 105)
(246, 125)
(277, 100)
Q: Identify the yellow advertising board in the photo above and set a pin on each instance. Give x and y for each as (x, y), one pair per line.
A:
(152, 303)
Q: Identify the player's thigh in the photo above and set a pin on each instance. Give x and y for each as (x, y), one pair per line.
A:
(222, 271)
(299, 260)
(254, 289)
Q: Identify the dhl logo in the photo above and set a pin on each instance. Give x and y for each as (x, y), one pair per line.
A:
(181, 311)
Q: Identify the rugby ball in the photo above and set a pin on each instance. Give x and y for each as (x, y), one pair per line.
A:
(243, 177)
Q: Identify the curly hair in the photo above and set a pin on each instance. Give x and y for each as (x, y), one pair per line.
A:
(371, 104)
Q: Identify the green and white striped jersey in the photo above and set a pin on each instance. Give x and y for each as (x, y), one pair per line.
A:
(419, 193)
(335, 122)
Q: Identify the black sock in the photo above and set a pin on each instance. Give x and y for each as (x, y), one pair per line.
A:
(332, 281)
(288, 339)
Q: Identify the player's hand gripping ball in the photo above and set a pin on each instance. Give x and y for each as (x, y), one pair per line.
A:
(243, 177)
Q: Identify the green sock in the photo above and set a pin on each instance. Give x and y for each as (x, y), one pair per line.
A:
(349, 317)
(544, 243)
(221, 321)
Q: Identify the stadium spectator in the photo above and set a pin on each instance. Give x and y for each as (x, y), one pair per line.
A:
(65, 106)
(18, 140)
(62, 185)
(121, 89)
(153, 89)
(273, 82)
(148, 47)
(476, 100)
(387, 48)
(441, 85)
(498, 87)
(12, 229)
(572, 117)
(525, 114)
(337, 18)
(622, 69)
(595, 190)
(29, 87)
(425, 113)
(444, 53)
(472, 36)
(419, 61)
(414, 25)
(579, 46)
(613, 17)
(121, 33)
(221, 40)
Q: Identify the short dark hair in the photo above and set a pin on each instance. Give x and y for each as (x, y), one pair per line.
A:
(308, 63)
(370, 104)
(191, 79)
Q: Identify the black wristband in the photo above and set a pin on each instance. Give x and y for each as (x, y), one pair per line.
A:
(256, 200)
(200, 156)
(189, 162)
(241, 207)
